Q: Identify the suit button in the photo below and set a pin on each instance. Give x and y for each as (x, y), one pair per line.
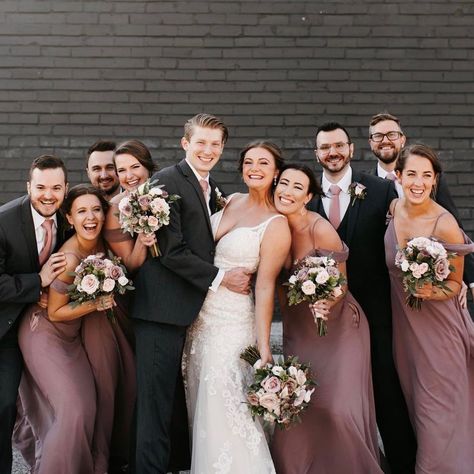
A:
(10, 322)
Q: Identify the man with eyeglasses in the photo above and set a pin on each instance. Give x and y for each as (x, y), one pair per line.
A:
(386, 140)
(356, 204)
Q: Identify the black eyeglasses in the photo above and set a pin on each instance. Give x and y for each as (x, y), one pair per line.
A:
(378, 137)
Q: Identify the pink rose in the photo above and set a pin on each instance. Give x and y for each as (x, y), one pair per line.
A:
(144, 202)
(89, 284)
(441, 269)
(108, 285)
(153, 221)
(269, 401)
(125, 208)
(271, 384)
(115, 272)
(252, 398)
(159, 205)
(308, 287)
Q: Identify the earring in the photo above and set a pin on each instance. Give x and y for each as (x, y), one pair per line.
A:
(274, 181)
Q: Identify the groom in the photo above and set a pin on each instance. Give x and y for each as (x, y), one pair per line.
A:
(170, 291)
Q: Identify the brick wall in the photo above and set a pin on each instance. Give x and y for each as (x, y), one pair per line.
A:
(74, 71)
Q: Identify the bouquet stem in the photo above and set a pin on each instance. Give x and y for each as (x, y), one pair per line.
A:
(414, 302)
(110, 315)
(320, 321)
(250, 354)
(155, 250)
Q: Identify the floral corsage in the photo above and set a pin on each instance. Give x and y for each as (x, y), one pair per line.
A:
(221, 201)
(357, 191)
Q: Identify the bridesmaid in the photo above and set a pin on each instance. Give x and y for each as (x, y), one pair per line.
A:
(434, 347)
(64, 401)
(338, 431)
(134, 166)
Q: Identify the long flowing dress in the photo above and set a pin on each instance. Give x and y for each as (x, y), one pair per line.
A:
(225, 439)
(434, 356)
(77, 391)
(338, 433)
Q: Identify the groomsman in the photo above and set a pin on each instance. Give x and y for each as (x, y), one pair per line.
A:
(170, 291)
(356, 205)
(30, 228)
(100, 168)
(386, 140)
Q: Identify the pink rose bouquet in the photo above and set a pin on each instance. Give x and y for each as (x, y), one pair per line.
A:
(97, 276)
(315, 279)
(279, 392)
(145, 210)
(423, 260)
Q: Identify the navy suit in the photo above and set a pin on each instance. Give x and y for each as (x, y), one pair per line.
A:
(362, 229)
(170, 291)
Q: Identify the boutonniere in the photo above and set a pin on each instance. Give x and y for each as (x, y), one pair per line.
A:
(357, 191)
(221, 201)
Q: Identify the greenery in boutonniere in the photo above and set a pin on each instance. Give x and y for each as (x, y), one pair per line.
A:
(357, 191)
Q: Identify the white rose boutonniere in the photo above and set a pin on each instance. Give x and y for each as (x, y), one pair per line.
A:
(221, 201)
(357, 191)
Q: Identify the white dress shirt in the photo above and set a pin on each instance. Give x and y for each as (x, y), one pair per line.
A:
(381, 173)
(40, 233)
(344, 196)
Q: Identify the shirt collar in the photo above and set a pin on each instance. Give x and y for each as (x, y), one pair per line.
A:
(38, 219)
(343, 183)
(381, 172)
(198, 176)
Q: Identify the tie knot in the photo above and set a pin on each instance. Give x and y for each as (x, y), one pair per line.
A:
(391, 176)
(47, 225)
(334, 189)
(204, 186)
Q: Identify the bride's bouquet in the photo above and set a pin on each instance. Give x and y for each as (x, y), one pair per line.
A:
(315, 279)
(280, 392)
(97, 276)
(423, 260)
(145, 210)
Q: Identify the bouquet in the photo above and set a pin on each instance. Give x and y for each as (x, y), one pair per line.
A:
(280, 392)
(145, 210)
(315, 279)
(97, 276)
(423, 260)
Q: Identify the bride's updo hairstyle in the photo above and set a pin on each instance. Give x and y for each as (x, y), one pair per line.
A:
(314, 187)
(139, 151)
(81, 190)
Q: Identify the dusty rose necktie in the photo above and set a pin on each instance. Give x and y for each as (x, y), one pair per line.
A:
(391, 176)
(47, 241)
(334, 207)
(204, 186)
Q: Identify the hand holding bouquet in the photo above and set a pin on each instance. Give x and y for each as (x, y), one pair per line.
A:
(145, 210)
(96, 278)
(281, 391)
(423, 260)
(315, 279)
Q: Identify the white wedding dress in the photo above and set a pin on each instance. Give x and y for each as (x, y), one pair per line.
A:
(225, 439)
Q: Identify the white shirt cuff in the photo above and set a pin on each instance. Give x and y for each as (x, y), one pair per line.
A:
(471, 285)
(217, 280)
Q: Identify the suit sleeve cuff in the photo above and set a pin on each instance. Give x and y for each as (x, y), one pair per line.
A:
(217, 280)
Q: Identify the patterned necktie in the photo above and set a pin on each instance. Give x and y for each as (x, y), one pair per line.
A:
(205, 187)
(47, 241)
(334, 207)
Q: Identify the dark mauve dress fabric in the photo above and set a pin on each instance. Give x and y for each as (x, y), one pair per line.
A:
(434, 356)
(338, 433)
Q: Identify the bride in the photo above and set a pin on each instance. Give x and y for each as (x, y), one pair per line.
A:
(249, 233)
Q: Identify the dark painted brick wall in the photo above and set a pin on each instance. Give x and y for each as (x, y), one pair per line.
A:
(74, 71)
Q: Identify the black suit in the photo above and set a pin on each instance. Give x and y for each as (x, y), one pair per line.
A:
(443, 198)
(363, 229)
(170, 291)
(20, 285)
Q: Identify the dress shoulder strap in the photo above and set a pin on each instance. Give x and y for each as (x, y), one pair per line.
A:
(437, 220)
(260, 228)
(311, 232)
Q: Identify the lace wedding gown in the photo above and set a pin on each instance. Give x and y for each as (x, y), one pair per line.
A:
(225, 439)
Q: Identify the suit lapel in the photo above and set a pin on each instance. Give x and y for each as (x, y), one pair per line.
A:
(352, 212)
(191, 178)
(28, 231)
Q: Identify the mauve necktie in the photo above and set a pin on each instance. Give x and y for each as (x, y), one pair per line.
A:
(47, 241)
(391, 176)
(204, 186)
(334, 207)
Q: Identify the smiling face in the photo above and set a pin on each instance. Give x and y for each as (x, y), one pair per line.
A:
(417, 178)
(86, 216)
(47, 189)
(101, 171)
(387, 150)
(259, 169)
(130, 171)
(203, 149)
(291, 193)
(334, 152)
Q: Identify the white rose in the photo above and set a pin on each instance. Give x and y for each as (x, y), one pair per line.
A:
(293, 279)
(322, 277)
(156, 191)
(108, 285)
(423, 268)
(300, 377)
(308, 287)
(405, 265)
(123, 280)
(89, 284)
(278, 370)
(307, 397)
(337, 291)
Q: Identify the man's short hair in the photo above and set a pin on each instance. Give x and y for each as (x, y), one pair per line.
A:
(381, 117)
(331, 126)
(45, 162)
(100, 145)
(205, 121)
